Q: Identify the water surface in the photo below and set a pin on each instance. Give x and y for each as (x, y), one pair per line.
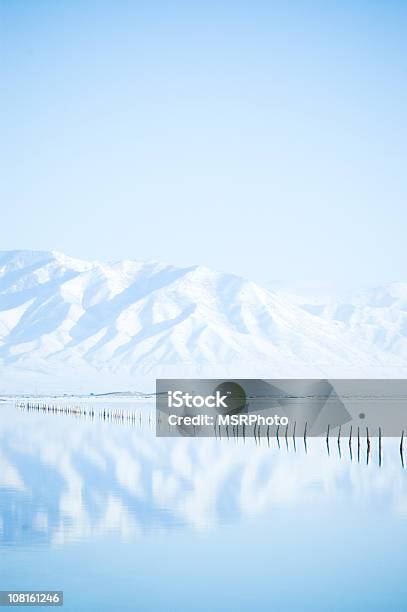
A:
(122, 520)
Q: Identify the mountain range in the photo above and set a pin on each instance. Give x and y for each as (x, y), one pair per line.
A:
(68, 325)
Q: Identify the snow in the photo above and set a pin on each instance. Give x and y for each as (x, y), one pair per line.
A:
(67, 323)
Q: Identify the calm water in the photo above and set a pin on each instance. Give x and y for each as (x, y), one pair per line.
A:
(121, 520)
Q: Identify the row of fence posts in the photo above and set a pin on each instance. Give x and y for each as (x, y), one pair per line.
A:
(257, 433)
(135, 418)
(131, 417)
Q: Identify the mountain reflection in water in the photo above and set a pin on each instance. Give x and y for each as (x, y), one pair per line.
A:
(64, 479)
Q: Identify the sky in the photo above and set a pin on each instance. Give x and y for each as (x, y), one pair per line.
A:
(268, 139)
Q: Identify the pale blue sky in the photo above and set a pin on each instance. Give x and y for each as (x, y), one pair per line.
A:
(263, 138)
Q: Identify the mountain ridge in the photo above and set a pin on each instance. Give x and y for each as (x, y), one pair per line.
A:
(67, 321)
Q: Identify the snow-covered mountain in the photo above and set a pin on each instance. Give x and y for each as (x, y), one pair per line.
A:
(72, 325)
(378, 315)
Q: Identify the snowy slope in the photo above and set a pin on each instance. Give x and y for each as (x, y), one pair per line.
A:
(378, 315)
(66, 324)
